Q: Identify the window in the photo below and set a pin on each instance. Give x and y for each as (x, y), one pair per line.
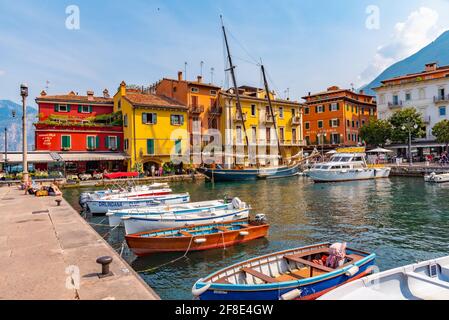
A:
(62, 108)
(195, 90)
(294, 137)
(125, 120)
(334, 123)
(213, 92)
(178, 147)
(395, 99)
(253, 110)
(213, 102)
(442, 111)
(307, 125)
(319, 109)
(408, 96)
(150, 147)
(281, 134)
(112, 143)
(119, 104)
(320, 124)
(281, 112)
(422, 93)
(92, 142)
(334, 107)
(348, 123)
(308, 140)
(293, 113)
(441, 93)
(357, 124)
(66, 142)
(176, 120)
(382, 99)
(238, 130)
(84, 109)
(353, 124)
(306, 111)
(149, 118)
(254, 134)
(363, 123)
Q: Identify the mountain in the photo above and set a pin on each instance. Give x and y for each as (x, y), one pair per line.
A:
(14, 125)
(437, 51)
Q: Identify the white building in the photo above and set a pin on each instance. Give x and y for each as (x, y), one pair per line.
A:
(427, 92)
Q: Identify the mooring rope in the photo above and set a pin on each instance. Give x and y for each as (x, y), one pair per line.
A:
(170, 262)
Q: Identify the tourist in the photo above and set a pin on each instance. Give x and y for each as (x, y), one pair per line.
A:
(153, 170)
(161, 171)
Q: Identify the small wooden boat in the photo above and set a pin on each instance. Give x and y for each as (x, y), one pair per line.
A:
(115, 216)
(427, 280)
(137, 224)
(437, 178)
(102, 206)
(197, 238)
(285, 275)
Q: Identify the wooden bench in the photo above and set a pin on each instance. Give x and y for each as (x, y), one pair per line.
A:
(259, 275)
(185, 233)
(223, 229)
(305, 262)
(222, 281)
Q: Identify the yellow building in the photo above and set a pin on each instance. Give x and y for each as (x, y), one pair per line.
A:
(259, 124)
(154, 127)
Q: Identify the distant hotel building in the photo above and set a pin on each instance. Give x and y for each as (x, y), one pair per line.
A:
(333, 118)
(427, 91)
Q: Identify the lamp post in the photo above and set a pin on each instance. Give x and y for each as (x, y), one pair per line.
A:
(6, 149)
(409, 127)
(24, 95)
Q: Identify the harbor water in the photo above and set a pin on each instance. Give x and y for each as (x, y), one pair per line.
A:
(402, 220)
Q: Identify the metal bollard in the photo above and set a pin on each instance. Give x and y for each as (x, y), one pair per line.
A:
(105, 262)
(58, 202)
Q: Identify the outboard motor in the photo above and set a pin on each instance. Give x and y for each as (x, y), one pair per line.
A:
(261, 218)
(238, 204)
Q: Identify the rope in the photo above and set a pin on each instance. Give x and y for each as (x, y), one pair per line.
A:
(110, 231)
(224, 245)
(170, 262)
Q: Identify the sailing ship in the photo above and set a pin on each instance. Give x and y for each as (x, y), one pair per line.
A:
(239, 174)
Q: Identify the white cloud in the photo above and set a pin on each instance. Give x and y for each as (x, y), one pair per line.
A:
(420, 28)
(2, 72)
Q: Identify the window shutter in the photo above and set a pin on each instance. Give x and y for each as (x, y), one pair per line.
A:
(90, 109)
(118, 143)
(56, 107)
(106, 142)
(182, 120)
(150, 146)
(338, 106)
(68, 108)
(144, 118)
(316, 109)
(97, 142)
(330, 123)
(330, 107)
(80, 109)
(155, 118)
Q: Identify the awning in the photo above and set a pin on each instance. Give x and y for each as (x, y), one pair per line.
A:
(93, 156)
(32, 157)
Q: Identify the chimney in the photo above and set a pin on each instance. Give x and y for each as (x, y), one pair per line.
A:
(180, 76)
(362, 91)
(106, 93)
(43, 93)
(122, 88)
(200, 79)
(433, 66)
(90, 95)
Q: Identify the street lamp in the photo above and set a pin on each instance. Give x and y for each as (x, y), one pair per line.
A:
(410, 126)
(24, 95)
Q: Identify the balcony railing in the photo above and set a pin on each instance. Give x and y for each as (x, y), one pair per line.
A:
(269, 118)
(196, 110)
(395, 104)
(296, 120)
(239, 118)
(215, 111)
(441, 98)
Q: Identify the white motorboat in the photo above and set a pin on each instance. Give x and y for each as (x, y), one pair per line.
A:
(102, 206)
(347, 164)
(437, 178)
(134, 224)
(115, 216)
(427, 280)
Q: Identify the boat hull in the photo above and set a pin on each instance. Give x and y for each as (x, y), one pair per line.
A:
(103, 206)
(142, 246)
(348, 175)
(139, 224)
(228, 175)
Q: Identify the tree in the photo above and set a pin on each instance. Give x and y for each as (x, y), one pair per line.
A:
(407, 118)
(441, 132)
(376, 132)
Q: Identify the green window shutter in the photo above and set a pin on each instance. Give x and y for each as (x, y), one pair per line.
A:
(56, 107)
(80, 109)
(150, 146)
(182, 120)
(118, 143)
(338, 106)
(97, 142)
(66, 141)
(155, 118)
(144, 118)
(90, 109)
(178, 146)
(68, 108)
(89, 146)
(106, 142)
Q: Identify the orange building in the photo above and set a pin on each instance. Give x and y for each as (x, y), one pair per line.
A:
(334, 117)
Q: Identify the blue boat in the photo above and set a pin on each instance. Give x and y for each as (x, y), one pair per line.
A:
(302, 273)
(222, 175)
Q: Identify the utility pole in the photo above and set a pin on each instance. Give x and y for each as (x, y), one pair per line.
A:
(24, 95)
(6, 148)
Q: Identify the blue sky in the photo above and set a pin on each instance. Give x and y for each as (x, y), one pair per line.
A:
(305, 45)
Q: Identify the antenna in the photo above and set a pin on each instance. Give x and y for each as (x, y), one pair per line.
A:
(185, 70)
(212, 70)
(287, 93)
(47, 83)
(201, 66)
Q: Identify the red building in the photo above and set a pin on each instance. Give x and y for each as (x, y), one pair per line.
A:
(83, 130)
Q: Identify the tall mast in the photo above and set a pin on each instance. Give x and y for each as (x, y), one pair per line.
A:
(271, 108)
(234, 81)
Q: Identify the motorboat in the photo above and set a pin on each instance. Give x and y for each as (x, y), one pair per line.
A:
(437, 178)
(347, 164)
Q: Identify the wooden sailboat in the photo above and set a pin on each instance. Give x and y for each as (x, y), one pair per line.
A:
(239, 174)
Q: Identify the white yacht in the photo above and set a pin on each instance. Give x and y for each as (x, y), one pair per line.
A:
(347, 164)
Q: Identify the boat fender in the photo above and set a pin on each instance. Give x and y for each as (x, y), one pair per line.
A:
(352, 271)
(200, 240)
(199, 292)
(244, 233)
(291, 295)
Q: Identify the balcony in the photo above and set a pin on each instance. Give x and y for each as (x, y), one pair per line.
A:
(268, 119)
(294, 143)
(215, 111)
(296, 120)
(239, 118)
(395, 104)
(441, 99)
(196, 110)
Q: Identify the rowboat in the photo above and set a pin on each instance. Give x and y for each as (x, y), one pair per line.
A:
(287, 275)
(115, 216)
(428, 280)
(197, 238)
(437, 178)
(102, 206)
(130, 192)
(137, 224)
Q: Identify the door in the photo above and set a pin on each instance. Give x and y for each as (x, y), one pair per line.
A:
(268, 135)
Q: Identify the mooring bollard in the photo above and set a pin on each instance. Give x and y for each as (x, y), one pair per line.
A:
(58, 202)
(105, 262)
